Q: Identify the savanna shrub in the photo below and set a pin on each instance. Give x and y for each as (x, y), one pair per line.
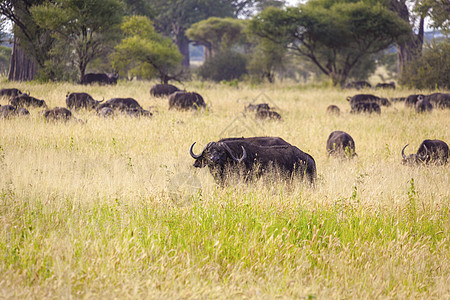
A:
(226, 65)
(430, 71)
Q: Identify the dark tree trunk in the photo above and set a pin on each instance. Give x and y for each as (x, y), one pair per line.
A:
(183, 45)
(21, 67)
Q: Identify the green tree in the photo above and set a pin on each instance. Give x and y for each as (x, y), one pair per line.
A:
(334, 35)
(144, 52)
(87, 26)
(431, 70)
(216, 34)
(225, 65)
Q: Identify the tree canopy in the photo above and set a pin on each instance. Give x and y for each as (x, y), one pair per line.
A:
(334, 35)
(144, 52)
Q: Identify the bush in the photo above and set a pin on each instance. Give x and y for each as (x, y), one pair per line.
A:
(430, 71)
(227, 65)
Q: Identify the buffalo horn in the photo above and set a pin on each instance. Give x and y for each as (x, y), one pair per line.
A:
(403, 151)
(238, 160)
(192, 153)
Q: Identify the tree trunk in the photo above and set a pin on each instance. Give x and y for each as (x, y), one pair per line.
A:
(183, 45)
(21, 67)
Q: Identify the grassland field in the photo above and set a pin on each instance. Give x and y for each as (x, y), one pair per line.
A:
(113, 208)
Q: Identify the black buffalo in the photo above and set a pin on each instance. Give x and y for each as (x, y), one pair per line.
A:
(186, 100)
(257, 107)
(13, 92)
(341, 144)
(227, 157)
(121, 104)
(439, 100)
(367, 98)
(58, 114)
(358, 85)
(430, 151)
(100, 78)
(162, 90)
(25, 100)
(390, 85)
(81, 100)
(423, 106)
(412, 99)
(105, 112)
(333, 110)
(370, 107)
(7, 111)
(267, 114)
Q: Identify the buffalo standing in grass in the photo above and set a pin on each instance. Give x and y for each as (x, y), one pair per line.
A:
(230, 156)
(439, 100)
(333, 110)
(100, 78)
(390, 85)
(257, 107)
(423, 106)
(186, 100)
(10, 93)
(341, 144)
(81, 100)
(7, 111)
(121, 104)
(430, 151)
(412, 99)
(58, 114)
(25, 100)
(367, 98)
(370, 107)
(162, 90)
(358, 85)
(268, 114)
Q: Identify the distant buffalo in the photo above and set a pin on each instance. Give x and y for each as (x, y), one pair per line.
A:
(257, 107)
(439, 100)
(58, 114)
(13, 92)
(390, 85)
(186, 100)
(25, 100)
(430, 151)
(412, 99)
(367, 98)
(100, 78)
(423, 106)
(230, 157)
(162, 90)
(341, 144)
(121, 104)
(370, 107)
(268, 115)
(333, 110)
(358, 85)
(81, 100)
(7, 111)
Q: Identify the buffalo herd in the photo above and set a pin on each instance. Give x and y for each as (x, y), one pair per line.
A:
(246, 158)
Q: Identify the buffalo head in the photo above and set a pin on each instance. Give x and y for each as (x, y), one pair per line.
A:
(413, 158)
(216, 154)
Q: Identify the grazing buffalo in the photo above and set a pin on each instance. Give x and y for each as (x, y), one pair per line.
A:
(58, 114)
(105, 112)
(267, 114)
(7, 111)
(25, 100)
(423, 106)
(136, 112)
(257, 107)
(412, 99)
(367, 98)
(430, 151)
(81, 100)
(333, 110)
(100, 78)
(186, 100)
(390, 85)
(341, 144)
(358, 85)
(10, 93)
(439, 100)
(370, 107)
(121, 104)
(162, 90)
(229, 157)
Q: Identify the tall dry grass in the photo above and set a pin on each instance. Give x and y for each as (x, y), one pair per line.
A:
(114, 208)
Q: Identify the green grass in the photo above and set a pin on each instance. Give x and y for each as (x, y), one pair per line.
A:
(102, 209)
